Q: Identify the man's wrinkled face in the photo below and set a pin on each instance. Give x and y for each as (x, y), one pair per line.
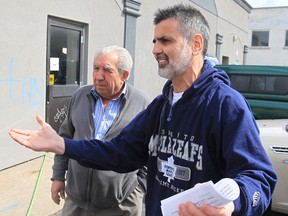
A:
(171, 50)
(107, 80)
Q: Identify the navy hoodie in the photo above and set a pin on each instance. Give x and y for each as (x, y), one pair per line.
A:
(208, 134)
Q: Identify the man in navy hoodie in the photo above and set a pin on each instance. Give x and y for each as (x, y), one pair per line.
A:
(199, 127)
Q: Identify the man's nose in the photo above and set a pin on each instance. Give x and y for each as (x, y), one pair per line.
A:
(156, 49)
(99, 74)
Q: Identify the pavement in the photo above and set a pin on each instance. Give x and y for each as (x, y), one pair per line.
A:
(20, 183)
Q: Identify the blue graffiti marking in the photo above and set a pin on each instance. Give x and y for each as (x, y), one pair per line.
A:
(32, 92)
(9, 207)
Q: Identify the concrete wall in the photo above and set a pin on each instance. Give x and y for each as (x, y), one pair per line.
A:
(233, 26)
(274, 20)
(23, 39)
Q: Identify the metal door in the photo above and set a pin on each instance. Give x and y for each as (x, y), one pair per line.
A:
(66, 66)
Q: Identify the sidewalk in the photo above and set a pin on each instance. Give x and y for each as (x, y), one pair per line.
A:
(17, 186)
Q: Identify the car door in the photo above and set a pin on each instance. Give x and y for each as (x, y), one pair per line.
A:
(274, 137)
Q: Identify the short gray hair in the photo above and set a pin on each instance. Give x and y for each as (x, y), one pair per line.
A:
(125, 61)
(191, 21)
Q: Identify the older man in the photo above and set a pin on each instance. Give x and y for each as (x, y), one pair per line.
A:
(101, 111)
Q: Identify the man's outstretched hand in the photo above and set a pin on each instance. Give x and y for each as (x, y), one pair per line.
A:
(44, 139)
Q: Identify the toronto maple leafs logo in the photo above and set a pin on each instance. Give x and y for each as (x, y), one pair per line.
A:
(169, 169)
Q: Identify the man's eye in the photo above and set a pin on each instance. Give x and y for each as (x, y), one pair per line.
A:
(108, 69)
(165, 41)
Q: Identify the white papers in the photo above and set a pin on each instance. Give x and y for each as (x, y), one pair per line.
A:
(219, 194)
(54, 64)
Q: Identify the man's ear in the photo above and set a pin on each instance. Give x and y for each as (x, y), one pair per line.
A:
(125, 75)
(197, 44)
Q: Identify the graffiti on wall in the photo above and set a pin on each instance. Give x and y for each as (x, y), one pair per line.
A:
(27, 90)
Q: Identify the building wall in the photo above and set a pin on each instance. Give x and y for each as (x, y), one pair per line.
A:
(233, 27)
(23, 41)
(274, 20)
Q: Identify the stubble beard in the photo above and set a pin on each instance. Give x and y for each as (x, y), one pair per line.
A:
(173, 69)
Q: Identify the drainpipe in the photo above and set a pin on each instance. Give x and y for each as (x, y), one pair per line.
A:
(131, 12)
(218, 47)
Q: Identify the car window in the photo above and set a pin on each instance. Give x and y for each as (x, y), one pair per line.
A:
(281, 85)
(276, 85)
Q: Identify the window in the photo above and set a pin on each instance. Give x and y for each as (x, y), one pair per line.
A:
(260, 84)
(240, 82)
(286, 38)
(260, 38)
(65, 48)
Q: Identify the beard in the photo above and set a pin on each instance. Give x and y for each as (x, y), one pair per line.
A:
(173, 68)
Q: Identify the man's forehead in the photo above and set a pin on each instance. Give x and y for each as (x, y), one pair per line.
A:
(107, 59)
(166, 27)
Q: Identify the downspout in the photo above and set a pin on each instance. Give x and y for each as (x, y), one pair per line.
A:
(131, 12)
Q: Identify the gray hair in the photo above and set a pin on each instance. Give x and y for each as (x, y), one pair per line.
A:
(125, 61)
(191, 21)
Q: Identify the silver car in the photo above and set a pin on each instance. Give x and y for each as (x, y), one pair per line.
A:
(274, 136)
